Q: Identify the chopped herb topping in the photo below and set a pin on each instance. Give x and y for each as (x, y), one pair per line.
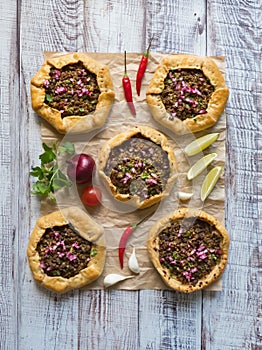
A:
(186, 93)
(73, 90)
(138, 167)
(189, 250)
(63, 252)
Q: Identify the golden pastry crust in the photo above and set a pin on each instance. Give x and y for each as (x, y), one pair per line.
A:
(74, 123)
(216, 103)
(88, 229)
(153, 244)
(157, 138)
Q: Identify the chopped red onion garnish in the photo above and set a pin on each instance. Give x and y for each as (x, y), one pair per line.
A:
(60, 90)
(46, 83)
(75, 245)
(56, 74)
(42, 265)
(81, 72)
(151, 181)
(154, 175)
(71, 257)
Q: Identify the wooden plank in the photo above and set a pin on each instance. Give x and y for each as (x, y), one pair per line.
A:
(233, 31)
(114, 26)
(108, 320)
(9, 110)
(177, 26)
(170, 320)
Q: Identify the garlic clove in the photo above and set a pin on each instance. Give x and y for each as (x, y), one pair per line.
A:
(184, 196)
(133, 263)
(114, 278)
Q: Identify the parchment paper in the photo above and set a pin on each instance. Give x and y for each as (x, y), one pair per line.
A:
(116, 217)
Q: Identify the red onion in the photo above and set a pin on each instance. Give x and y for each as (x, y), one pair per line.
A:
(80, 168)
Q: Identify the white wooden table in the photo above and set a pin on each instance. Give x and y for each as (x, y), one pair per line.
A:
(230, 319)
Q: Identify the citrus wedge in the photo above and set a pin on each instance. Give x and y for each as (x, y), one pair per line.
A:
(200, 165)
(200, 144)
(210, 182)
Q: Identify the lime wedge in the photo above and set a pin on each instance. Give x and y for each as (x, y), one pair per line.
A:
(200, 165)
(210, 182)
(200, 144)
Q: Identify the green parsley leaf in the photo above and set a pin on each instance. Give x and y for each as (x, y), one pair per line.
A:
(48, 98)
(144, 176)
(67, 147)
(175, 255)
(40, 188)
(93, 252)
(49, 177)
(47, 157)
(36, 171)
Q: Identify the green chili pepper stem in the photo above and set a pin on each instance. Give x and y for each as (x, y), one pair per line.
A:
(140, 222)
(146, 54)
(125, 71)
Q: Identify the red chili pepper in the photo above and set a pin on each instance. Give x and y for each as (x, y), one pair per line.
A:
(122, 244)
(142, 68)
(123, 240)
(128, 90)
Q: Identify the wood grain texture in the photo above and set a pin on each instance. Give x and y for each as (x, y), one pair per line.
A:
(177, 26)
(114, 26)
(9, 187)
(234, 33)
(109, 320)
(33, 318)
(45, 320)
(169, 320)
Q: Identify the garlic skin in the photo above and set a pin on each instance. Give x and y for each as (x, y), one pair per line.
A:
(114, 278)
(184, 196)
(133, 263)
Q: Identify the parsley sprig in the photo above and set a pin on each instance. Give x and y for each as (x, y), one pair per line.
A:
(50, 177)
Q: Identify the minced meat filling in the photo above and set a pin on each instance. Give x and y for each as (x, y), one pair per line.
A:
(138, 167)
(63, 252)
(72, 90)
(189, 250)
(186, 93)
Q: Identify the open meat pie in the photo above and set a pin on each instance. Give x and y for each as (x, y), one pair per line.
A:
(138, 166)
(187, 93)
(73, 92)
(189, 249)
(66, 250)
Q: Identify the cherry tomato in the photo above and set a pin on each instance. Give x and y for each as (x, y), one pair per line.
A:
(91, 196)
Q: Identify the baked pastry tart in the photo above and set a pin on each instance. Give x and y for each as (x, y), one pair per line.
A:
(138, 166)
(66, 250)
(189, 249)
(187, 93)
(73, 93)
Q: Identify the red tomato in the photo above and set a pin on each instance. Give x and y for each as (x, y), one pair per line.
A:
(91, 196)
